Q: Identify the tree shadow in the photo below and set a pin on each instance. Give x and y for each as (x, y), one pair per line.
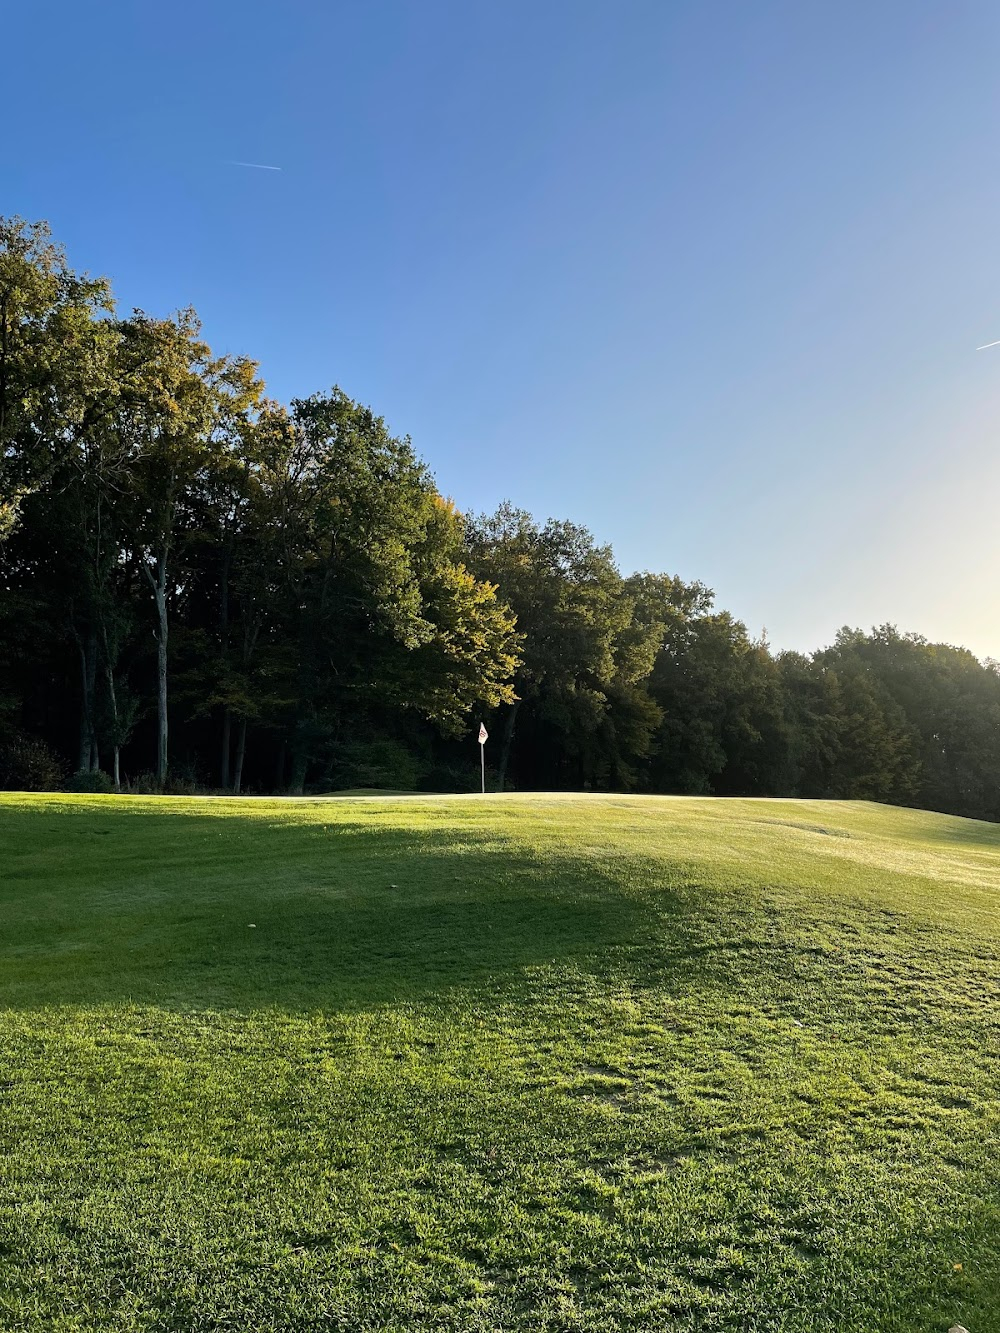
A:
(248, 907)
(109, 904)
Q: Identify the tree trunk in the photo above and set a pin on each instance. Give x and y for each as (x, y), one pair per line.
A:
(89, 757)
(507, 744)
(159, 586)
(227, 559)
(279, 768)
(161, 695)
(241, 748)
(227, 726)
(109, 676)
(95, 758)
(300, 763)
(300, 751)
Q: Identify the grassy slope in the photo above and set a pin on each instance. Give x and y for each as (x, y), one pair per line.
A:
(523, 1063)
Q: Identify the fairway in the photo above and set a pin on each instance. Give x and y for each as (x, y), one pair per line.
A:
(525, 1062)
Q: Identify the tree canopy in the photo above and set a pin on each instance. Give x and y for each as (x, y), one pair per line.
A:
(202, 587)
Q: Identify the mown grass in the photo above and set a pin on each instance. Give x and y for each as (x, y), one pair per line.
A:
(508, 1063)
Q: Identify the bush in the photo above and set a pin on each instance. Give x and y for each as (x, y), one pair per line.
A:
(94, 783)
(148, 784)
(181, 784)
(27, 764)
(455, 778)
(382, 763)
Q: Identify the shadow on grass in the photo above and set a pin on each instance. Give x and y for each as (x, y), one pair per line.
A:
(182, 910)
(110, 904)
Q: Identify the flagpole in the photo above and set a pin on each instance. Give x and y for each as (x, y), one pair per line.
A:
(482, 756)
(484, 736)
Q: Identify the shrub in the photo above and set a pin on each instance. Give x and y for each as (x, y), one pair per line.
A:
(455, 778)
(181, 784)
(381, 763)
(94, 783)
(148, 784)
(143, 784)
(27, 764)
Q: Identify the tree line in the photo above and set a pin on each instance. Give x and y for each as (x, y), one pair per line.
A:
(203, 588)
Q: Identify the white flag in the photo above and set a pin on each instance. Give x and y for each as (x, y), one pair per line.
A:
(484, 735)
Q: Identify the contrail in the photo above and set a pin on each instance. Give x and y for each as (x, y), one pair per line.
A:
(985, 345)
(259, 166)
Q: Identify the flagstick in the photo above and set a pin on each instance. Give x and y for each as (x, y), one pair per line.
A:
(484, 736)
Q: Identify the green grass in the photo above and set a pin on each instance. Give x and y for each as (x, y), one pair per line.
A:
(516, 1063)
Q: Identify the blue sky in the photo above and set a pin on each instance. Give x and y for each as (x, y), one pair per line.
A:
(707, 277)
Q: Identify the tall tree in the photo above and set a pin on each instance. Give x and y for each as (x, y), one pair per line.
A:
(47, 313)
(374, 598)
(943, 700)
(713, 683)
(178, 405)
(573, 610)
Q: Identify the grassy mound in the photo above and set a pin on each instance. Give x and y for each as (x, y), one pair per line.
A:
(508, 1063)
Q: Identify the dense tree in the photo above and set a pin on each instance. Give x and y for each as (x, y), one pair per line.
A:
(48, 330)
(943, 708)
(575, 613)
(372, 591)
(178, 407)
(247, 594)
(811, 706)
(719, 694)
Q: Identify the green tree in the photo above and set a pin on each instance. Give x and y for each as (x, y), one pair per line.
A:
(234, 553)
(47, 331)
(574, 612)
(370, 587)
(811, 703)
(178, 405)
(945, 701)
(720, 693)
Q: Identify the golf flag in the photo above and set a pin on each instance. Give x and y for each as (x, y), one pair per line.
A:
(484, 735)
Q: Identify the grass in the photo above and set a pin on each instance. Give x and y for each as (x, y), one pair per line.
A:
(527, 1063)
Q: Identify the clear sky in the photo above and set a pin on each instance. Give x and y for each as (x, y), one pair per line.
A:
(707, 277)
